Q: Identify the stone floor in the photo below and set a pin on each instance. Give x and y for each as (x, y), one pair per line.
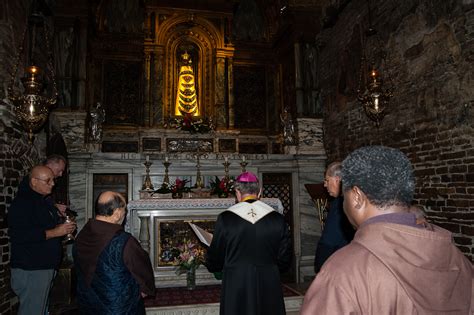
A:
(62, 308)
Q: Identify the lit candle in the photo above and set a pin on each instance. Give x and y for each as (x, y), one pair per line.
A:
(148, 158)
(166, 158)
(243, 158)
(226, 159)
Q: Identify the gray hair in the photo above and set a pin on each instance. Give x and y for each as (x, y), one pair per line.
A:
(245, 188)
(334, 169)
(384, 174)
(54, 158)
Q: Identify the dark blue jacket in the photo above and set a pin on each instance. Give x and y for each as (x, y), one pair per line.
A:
(113, 289)
(337, 233)
(29, 216)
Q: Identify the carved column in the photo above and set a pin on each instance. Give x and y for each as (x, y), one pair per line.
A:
(147, 96)
(220, 109)
(298, 79)
(230, 85)
(157, 88)
(144, 234)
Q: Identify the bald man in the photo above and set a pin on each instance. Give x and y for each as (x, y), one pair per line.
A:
(57, 164)
(35, 237)
(113, 270)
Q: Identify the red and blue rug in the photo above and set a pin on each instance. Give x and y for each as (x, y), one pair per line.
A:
(201, 295)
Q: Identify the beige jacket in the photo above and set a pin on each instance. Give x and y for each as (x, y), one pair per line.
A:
(394, 269)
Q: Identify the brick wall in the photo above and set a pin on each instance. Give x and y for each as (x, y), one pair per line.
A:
(430, 47)
(16, 154)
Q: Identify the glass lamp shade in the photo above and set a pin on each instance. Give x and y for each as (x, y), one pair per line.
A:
(374, 98)
(31, 107)
(31, 111)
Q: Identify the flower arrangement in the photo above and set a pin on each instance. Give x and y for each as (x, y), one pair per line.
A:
(222, 187)
(178, 187)
(191, 124)
(189, 257)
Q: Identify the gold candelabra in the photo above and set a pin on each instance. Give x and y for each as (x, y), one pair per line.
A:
(321, 206)
(243, 164)
(199, 182)
(147, 185)
(166, 179)
(226, 167)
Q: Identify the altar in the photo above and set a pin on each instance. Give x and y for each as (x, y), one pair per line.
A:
(162, 224)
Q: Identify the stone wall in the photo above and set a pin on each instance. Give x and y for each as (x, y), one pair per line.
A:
(430, 47)
(16, 154)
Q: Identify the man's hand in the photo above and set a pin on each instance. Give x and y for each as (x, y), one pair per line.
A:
(144, 295)
(61, 230)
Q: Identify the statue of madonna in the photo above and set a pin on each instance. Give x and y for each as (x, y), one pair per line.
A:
(186, 95)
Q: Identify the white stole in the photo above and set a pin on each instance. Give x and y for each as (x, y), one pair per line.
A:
(252, 212)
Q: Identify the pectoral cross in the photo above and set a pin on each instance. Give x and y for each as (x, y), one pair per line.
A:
(252, 213)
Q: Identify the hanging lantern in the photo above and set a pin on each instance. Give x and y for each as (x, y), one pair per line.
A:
(375, 85)
(32, 103)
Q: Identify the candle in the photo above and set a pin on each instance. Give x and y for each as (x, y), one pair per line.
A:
(243, 158)
(166, 158)
(148, 158)
(226, 158)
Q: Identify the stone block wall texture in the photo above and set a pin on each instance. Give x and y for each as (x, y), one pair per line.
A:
(16, 154)
(430, 46)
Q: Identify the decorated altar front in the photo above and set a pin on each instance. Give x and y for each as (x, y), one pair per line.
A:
(161, 224)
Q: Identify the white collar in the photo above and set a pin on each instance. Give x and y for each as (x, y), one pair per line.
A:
(251, 212)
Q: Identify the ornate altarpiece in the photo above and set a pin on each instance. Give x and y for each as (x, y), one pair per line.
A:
(172, 33)
(134, 70)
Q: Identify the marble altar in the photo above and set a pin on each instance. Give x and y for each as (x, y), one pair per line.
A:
(308, 168)
(146, 218)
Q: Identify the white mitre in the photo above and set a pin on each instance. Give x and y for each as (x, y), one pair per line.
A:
(251, 212)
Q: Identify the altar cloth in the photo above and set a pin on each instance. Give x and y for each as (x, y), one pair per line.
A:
(210, 203)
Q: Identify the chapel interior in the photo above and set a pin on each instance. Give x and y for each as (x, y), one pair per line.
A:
(140, 93)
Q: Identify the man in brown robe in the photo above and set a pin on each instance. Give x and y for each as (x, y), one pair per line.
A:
(114, 272)
(393, 265)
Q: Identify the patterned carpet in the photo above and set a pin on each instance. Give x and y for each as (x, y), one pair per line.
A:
(201, 295)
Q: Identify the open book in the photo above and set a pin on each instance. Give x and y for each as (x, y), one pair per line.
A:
(203, 235)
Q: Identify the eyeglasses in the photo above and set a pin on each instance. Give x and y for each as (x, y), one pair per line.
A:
(48, 181)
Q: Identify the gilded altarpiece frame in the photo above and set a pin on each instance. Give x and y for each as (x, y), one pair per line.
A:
(172, 232)
(174, 31)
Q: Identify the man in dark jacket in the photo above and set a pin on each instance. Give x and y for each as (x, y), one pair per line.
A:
(114, 272)
(35, 238)
(338, 231)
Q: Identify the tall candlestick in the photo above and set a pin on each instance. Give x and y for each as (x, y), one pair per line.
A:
(166, 158)
(166, 179)
(226, 167)
(226, 159)
(243, 158)
(147, 185)
(199, 182)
